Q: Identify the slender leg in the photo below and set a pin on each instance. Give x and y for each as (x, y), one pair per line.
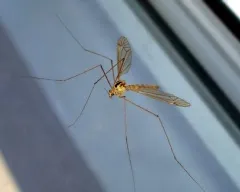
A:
(87, 50)
(84, 106)
(68, 78)
(91, 94)
(126, 139)
(119, 71)
(72, 77)
(168, 140)
(78, 74)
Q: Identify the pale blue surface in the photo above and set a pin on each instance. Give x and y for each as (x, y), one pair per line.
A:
(52, 53)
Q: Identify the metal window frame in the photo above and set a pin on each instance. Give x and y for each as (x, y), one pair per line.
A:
(224, 12)
(220, 82)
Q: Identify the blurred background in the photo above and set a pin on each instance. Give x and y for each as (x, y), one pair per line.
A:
(189, 48)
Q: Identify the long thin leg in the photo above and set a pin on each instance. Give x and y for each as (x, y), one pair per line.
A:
(69, 78)
(78, 74)
(87, 50)
(111, 69)
(168, 140)
(84, 106)
(90, 96)
(126, 139)
(119, 72)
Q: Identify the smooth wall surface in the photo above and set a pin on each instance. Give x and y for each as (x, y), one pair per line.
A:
(44, 154)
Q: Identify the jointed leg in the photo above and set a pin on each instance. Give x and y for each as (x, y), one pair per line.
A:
(87, 50)
(72, 77)
(168, 140)
(126, 139)
(104, 75)
(73, 123)
(68, 78)
(91, 94)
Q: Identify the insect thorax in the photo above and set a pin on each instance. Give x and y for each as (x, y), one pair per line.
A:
(119, 88)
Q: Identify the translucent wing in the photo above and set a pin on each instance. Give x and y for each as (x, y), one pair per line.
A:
(124, 56)
(160, 95)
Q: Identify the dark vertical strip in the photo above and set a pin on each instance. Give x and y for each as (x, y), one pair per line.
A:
(193, 63)
(226, 15)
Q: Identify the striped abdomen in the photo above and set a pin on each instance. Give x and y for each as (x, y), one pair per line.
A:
(138, 87)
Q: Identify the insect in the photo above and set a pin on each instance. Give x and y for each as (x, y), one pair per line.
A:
(119, 87)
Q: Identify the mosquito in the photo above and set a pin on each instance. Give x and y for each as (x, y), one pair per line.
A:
(120, 87)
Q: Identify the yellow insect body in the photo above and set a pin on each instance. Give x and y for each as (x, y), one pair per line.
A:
(152, 91)
(138, 87)
(120, 87)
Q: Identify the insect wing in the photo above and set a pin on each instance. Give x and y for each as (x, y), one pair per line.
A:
(124, 56)
(162, 96)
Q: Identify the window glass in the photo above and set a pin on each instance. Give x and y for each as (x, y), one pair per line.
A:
(99, 126)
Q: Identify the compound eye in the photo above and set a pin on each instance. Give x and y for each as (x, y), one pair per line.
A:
(117, 84)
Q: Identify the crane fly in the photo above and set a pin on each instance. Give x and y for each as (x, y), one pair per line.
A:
(119, 87)
(124, 55)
